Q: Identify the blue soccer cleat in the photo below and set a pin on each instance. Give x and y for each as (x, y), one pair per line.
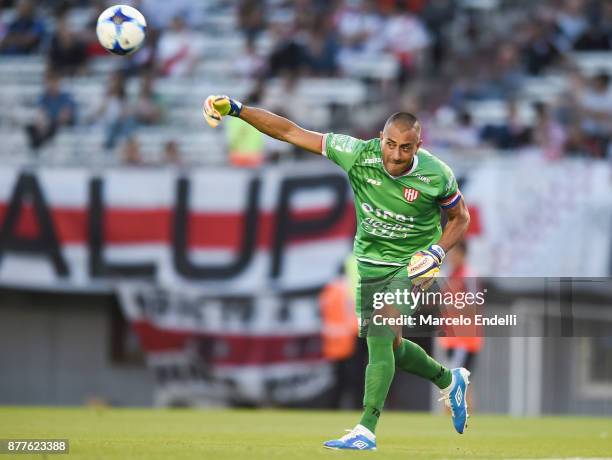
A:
(359, 438)
(455, 398)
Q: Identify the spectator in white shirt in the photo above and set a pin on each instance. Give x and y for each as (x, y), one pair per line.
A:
(179, 50)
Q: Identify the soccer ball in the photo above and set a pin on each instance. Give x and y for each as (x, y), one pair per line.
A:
(121, 29)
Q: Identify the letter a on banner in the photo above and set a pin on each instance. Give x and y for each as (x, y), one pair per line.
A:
(28, 192)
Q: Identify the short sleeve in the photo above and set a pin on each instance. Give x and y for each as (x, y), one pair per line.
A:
(342, 149)
(449, 190)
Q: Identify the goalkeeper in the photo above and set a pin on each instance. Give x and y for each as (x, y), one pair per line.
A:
(399, 189)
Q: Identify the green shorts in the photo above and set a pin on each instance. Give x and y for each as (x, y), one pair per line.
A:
(382, 297)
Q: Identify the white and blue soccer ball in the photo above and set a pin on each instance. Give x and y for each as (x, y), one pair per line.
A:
(121, 29)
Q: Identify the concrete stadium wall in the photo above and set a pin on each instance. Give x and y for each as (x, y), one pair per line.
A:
(56, 351)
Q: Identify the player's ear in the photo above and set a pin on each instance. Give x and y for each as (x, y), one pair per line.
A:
(419, 143)
(381, 136)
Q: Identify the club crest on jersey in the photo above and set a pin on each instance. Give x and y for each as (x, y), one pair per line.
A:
(410, 194)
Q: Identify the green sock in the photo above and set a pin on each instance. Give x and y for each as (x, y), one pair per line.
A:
(411, 358)
(378, 377)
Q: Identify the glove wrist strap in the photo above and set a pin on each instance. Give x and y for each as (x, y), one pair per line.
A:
(235, 108)
(438, 252)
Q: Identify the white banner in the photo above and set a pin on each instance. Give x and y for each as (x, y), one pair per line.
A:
(218, 270)
(220, 230)
(539, 218)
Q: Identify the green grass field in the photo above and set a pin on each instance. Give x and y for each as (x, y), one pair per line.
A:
(252, 435)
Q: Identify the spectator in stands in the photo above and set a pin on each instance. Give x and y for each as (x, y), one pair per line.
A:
(179, 49)
(539, 50)
(251, 18)
(115, 113)
(67, 52)
(321, 50)
(594, 99)
(506, 73)
(56, 109)
(306, 13)
(171, 154)
(606, 19)
(598, 35)
(288, 53)
(470, 85)
(130, 152)
(571, 23)
(359, 27)
(512, 134)
(88, 34)
(466, 135)
(437, 16)
(25, 33)
(595, 38)
(358, 24)
(548, 134)
(148, 108)
(407, 38)
(577, 143)
(249, 65)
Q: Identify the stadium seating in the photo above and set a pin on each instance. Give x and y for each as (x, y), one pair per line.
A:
(21, 81)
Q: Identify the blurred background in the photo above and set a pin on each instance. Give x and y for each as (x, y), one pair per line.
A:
(148, 260)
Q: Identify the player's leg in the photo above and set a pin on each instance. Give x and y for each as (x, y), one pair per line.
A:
(411, 358)
(378, 377)
(453, 383)
(381, 364)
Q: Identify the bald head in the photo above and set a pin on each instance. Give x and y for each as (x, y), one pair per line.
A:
(403, 121)
(399, 141)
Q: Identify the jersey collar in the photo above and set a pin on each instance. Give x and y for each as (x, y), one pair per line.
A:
(415, 162)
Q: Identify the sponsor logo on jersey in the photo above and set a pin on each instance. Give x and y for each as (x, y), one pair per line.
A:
(384, 214)
(410, 194)
(372, 161)
(369, 180)
(385, 224)
(420, 177)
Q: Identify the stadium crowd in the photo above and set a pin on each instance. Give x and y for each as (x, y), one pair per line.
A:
(481, 75)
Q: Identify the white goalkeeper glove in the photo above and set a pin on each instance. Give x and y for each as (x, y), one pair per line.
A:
(424, 266)
(216, 107)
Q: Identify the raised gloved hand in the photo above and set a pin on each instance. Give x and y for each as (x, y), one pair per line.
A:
(424, 266)
(216, 107)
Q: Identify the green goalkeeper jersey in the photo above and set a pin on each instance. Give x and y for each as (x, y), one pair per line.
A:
(396, 216)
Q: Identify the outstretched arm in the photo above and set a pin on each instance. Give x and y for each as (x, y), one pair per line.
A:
(282, 129)
(215, 107)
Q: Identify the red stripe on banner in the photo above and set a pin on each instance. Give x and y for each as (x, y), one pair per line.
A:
(26, 223)
(206, 230)
(70, 224)
(137, 226)
(238, 350)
